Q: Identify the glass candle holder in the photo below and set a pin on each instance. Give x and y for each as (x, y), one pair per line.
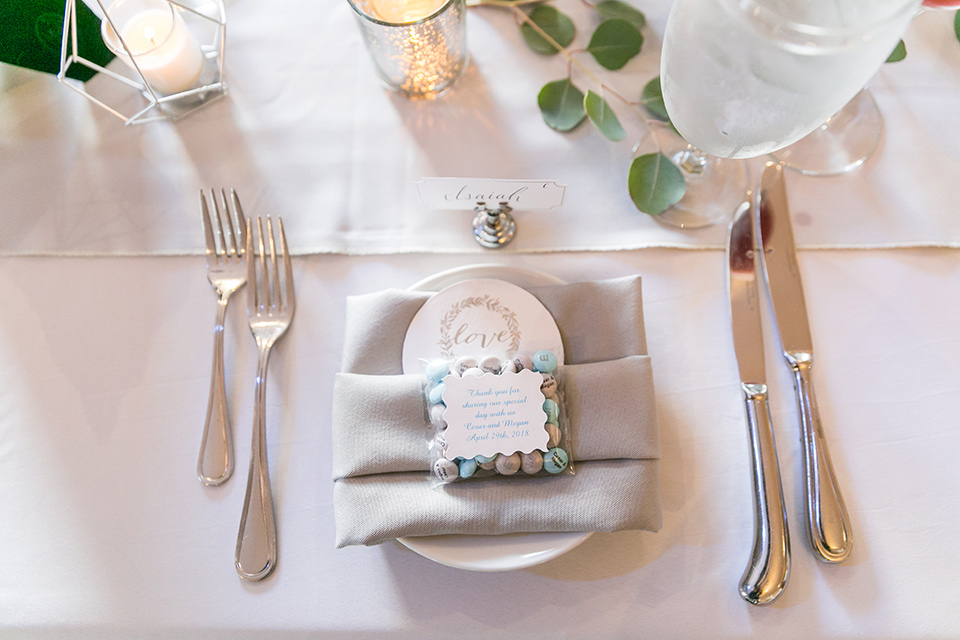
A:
(419, 47)
(155, 41)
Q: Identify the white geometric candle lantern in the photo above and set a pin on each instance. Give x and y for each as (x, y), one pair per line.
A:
(173, 52)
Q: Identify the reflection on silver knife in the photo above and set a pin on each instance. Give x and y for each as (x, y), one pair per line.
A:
(766, 575)
(828, 524)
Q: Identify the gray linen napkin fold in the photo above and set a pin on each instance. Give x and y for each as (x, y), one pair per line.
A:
(382, 486)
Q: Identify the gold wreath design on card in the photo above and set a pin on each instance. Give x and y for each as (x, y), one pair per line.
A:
(491, 304)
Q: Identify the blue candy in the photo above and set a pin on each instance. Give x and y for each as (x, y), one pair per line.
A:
(468, 468)
(435, 394)
(436, 370)
(544, 361)
(556, 460)
(552, 410)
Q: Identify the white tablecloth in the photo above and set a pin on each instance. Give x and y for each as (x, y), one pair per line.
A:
(309, 134)
(107, 531)
(104, 359)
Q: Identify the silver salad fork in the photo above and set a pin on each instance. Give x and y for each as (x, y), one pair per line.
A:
(227, 272)
(270, 307)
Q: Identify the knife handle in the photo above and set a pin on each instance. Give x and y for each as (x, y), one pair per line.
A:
(828, 524)
(766, 576)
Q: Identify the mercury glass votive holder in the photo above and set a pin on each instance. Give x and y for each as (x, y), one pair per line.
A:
(419, 47)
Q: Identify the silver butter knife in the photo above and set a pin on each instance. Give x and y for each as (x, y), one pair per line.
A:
(766, 575)
(828, 524)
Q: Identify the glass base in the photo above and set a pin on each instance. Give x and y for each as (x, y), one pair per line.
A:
(840, 144)
(715, 188)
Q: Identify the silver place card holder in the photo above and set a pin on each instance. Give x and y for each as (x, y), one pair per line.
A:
(494, 226)
(159, 99)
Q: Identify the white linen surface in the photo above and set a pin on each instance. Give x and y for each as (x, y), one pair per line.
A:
(308, 133)
(106, 532)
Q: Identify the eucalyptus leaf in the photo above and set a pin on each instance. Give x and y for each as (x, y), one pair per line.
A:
(601, 115)
(652, 99)
(561, 105)
(655, 183)
(956, 25)
(610, 9)
(614, 43)
(899, 52)
(555, 24)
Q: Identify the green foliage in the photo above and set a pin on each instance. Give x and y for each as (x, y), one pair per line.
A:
(614, 43)
(652, 98)
(655, 183)
(956, 25)
(555, 24)
(899, 52)
(614, 9)
(561, 105)
(601, 115)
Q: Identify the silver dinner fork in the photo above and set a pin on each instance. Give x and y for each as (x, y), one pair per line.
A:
(270, 307)
(227, 272)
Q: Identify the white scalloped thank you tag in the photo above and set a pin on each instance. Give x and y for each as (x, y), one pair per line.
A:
(492, 414)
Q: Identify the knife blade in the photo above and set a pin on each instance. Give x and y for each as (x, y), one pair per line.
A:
(766, 575)
(828, 524)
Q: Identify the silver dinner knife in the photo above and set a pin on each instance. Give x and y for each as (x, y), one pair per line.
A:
(766, 575)
(828, 524)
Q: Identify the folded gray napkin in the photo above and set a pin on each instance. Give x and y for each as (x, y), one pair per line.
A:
(382, 486)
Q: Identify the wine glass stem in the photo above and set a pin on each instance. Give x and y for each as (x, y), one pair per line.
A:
(692, 160)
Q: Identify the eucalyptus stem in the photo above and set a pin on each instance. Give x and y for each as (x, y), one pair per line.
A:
(572, 60)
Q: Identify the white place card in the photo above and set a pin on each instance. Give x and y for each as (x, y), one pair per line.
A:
(492, 414)
(464, 193)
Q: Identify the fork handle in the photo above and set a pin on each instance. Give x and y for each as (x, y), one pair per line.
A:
(256, 554)
(215, 464)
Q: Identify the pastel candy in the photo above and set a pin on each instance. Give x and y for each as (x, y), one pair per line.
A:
(473, 371)
(556, 460)
(489, 464)
(552, 409)
(435, 393)
(436, 416)
(508, 366)
(553, 431)
(482, 459)
(490, 364)
(463, 363)
(549, 385)
(436, 370)
(468, 468)
(446, 470)
(544, 361)
(508, 464)
(522, 362)
(531, 462)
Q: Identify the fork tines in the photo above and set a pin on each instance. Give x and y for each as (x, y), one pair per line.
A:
(223, 241)
(263, 272)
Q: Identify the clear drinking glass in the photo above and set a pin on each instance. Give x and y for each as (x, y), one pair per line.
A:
(742, 78)
(849, 137)
(419, 47)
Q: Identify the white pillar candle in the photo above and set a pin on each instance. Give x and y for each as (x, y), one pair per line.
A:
(167, 54)
(404, 11)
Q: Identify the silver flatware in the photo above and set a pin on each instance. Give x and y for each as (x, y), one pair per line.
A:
(769, 567)
(270, 306)
(828, 523)
(225, 236)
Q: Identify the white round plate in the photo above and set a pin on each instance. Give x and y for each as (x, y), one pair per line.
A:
(504, 552)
